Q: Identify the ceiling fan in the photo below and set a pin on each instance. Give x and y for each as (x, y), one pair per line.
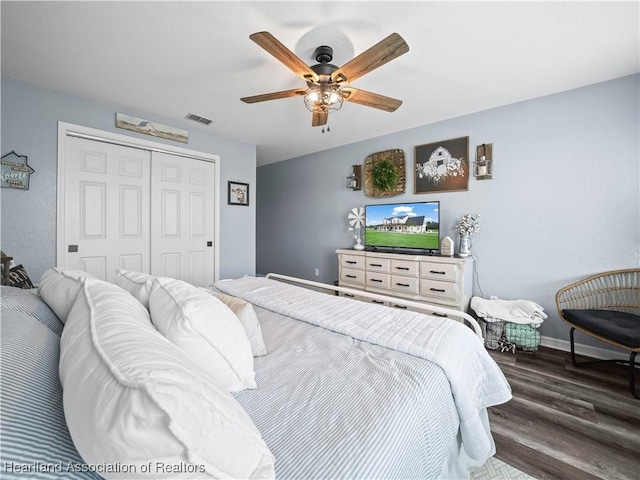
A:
(328, 85)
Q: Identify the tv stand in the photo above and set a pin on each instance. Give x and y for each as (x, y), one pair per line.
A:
(426, 278)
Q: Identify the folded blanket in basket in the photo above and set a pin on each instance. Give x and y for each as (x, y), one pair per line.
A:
(524, 336)
(514, 311)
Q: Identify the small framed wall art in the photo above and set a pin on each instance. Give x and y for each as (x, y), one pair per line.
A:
(238, 193)
(442, 166)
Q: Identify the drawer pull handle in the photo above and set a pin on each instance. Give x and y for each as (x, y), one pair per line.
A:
(402, 268)
(376, 280)
(403, 307)
(350, 262)
(377, 301)
(436, 314)
(403, 284)
(349, 295)
(437, 272)
(350, 276)
(375, 265)
(441, 290)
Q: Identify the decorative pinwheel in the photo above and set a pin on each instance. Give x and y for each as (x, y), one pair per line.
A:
(357, 223)
(356, 217)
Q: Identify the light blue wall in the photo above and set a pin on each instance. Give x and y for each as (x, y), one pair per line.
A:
(564, 201)
(30, 116)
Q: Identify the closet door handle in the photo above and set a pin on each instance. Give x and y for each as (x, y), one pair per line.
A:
(73, 249)
(209, 243)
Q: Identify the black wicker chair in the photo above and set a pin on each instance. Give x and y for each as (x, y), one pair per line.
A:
(605, 306)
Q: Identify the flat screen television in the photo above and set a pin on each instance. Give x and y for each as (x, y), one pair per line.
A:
(407, 227)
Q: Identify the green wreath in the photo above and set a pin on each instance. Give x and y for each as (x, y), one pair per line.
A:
(384, 175)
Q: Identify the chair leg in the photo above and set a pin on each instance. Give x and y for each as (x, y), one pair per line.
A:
(632, 374)
(573, 347)
(630, 362)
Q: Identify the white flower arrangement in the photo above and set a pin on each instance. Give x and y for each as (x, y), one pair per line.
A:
(468, 225)
(438, 173)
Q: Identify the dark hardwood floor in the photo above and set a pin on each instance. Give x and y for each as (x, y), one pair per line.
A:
(566, 422)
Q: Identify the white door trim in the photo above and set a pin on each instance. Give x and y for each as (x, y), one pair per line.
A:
(66, 130)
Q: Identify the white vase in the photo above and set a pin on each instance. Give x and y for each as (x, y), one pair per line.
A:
(465, 246)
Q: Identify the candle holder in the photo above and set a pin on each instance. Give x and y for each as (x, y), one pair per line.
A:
(483, 165)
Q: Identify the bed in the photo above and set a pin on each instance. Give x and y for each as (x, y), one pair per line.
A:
(346, 390)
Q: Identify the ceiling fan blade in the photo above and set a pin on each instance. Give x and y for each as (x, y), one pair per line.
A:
(382, 52)
(369, 99)
(274, 96)
(272, 45)
(320, 117)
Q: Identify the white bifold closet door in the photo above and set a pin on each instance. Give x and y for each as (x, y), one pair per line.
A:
(182, 218)
(138, 210)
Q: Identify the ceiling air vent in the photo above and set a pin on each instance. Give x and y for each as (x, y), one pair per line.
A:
(198, 118)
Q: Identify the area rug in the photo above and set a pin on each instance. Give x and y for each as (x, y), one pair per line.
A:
(495, 469)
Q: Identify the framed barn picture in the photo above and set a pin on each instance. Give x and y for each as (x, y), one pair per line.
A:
(442, 166)
(238, 194)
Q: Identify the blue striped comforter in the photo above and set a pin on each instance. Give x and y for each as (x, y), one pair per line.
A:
(330, 406)
(35, 440)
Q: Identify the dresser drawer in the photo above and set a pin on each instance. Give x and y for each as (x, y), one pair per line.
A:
(405, 284)
(377, 264)
(439, 271)
(418, 310)
(352, 261)
(354, 296)
(377, 280)
(377, 302)
(353, 277)
(404, 267)
(446, 291)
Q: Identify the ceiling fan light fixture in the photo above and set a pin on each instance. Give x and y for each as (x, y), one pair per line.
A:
(323, 97)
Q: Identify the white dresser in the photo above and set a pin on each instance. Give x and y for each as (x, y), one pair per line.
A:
(443, 281)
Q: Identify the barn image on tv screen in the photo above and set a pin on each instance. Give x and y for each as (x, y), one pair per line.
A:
(403, 225)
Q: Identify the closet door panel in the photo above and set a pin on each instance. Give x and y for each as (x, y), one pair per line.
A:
(105, 206)
(182, 218)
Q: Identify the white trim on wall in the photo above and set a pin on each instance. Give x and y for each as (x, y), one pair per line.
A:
(66, 130)
(581, 349)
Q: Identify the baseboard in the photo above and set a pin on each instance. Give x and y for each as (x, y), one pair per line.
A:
(586, 350)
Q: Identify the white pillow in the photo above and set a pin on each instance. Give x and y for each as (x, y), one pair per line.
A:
(137, 284)
(132, 398)
(248, 319)
(206, 329)
(59, 288)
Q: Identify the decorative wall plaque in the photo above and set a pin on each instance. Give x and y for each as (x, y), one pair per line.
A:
(14, 171)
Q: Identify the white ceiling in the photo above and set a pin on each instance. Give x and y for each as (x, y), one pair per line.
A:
(172, 58)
